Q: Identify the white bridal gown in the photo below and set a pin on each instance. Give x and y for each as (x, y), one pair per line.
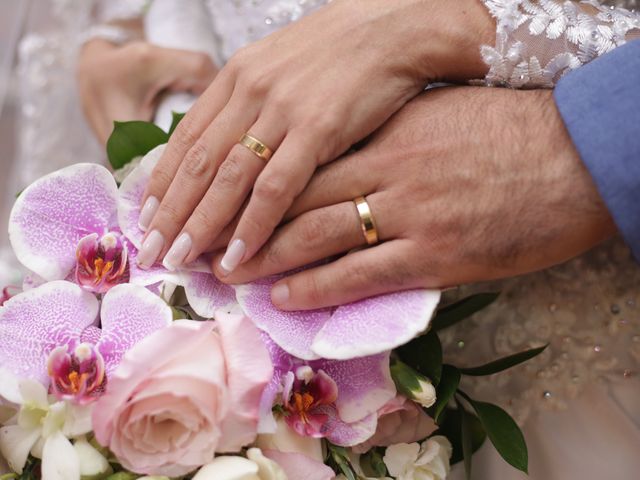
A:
(579, 403)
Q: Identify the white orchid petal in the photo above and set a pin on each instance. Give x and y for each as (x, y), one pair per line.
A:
(59, 459)
(92, 462)
(16, 443)
(77, 420)
(34, 393)
(268, 469)
(399, 456)
(54, 421)
(9, 386)
(228, 468)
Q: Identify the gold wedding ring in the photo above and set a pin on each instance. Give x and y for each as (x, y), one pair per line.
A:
(366, 221)
(256, 146)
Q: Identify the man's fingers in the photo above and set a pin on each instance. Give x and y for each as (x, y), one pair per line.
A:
(339, 181)
(381, 269)
(311, 237)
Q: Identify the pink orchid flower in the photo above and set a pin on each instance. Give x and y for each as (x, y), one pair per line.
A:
(60, 335)
(76, 224)
(332, 399)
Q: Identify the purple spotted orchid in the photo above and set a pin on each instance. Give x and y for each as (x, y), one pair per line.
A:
(359, 329)
(60, 335)
(332, 399)
(76, 224)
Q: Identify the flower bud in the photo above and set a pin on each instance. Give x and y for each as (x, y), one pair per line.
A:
(413, 384)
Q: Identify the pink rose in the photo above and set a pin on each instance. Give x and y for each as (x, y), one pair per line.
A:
(184, 393)
(399, 421)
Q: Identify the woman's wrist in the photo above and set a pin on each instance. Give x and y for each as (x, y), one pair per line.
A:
(458, 29)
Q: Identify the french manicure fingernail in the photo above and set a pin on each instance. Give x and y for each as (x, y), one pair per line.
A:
(233, 255)
(178, 252)
(280, 294)
(150, 250)
(148, 212)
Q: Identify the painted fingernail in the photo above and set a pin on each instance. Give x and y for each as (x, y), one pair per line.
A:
(280, 294)
(178, 252)
(150, 250)
(233, 255)
(148, 212)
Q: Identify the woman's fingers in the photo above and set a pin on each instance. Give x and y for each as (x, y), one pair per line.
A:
(280, 182)
(183, 139)
(192, 180)
(383, 268)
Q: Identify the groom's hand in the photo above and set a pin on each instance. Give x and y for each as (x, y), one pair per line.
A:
(465, 184)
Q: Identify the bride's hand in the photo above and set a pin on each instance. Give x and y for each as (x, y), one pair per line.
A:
(465, 184)
(308, 92)
(124, 82)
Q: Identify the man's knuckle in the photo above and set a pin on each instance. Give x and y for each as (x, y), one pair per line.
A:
(315, 291)
(196, 162)
(313, 230)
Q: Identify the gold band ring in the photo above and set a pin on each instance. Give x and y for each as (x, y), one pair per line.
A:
(256, 146)
(366, 221)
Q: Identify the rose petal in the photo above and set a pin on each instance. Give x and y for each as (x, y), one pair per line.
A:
(51, 216)
(293, 331)
(206, 293)
(152, 353)
(131, 193)
(364, 384)
(129, 314)
(34, 322)
(296, 465)
(375, 324)
(249, 370)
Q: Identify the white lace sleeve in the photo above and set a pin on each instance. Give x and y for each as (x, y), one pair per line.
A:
(538, 41)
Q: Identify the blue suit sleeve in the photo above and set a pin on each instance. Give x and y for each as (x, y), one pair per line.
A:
(600, 106)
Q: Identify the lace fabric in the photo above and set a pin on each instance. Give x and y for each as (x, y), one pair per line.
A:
(538, 41)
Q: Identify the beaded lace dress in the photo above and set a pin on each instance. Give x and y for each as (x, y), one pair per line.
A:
(585, 386)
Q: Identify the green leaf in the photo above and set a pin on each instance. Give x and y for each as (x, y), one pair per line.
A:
(372, 463)
(123, 476)
(446, 389)
(133, 139)
(424, 354)
(175, 120)
(454, 313)
(339, 460)
(467, 441)
(503, 363)
(503, 432)
(452, 429)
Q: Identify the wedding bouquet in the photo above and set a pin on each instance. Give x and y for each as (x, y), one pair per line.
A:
(109, 371)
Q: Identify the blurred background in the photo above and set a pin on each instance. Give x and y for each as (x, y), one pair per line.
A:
(41, 124)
